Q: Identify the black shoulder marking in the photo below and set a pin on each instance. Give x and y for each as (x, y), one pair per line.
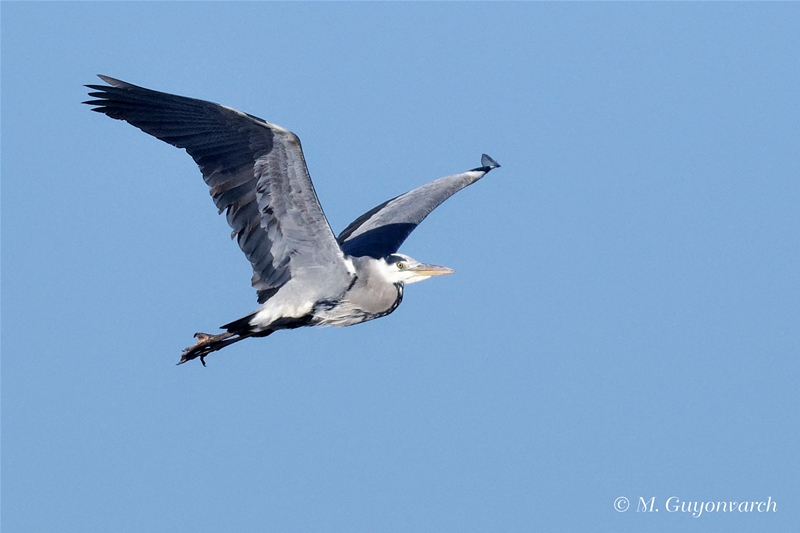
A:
(378, 242)
(359, 221)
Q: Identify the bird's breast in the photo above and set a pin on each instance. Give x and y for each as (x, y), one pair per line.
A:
(358, 305)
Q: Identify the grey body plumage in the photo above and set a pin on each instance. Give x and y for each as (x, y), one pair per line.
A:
(303, 274)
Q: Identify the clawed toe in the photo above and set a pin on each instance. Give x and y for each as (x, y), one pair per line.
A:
(205, 344)
(200, 348)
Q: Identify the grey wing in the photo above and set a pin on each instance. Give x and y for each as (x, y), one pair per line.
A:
(256, 172)
(380, 231)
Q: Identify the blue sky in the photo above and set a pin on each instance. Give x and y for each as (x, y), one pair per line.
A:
(623, 321)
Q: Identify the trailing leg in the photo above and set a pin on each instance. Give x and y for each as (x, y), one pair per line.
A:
(209, 343)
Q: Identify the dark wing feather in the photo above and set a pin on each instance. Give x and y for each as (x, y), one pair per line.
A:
(380, 231)
(256, 172)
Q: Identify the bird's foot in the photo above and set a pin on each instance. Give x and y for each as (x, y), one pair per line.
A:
(205, 344)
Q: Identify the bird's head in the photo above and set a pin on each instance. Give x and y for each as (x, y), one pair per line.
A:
(404, 269)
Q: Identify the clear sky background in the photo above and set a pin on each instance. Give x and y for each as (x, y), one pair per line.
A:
(623, 321)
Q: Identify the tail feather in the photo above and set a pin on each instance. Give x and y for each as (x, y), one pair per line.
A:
(239, 326)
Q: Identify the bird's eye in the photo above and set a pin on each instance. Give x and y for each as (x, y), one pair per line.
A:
(401, 265)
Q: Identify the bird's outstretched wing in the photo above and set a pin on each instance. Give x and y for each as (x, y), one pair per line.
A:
(256, 172)
(380, 231)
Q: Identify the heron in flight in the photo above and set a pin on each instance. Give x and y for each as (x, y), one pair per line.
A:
(303, 274)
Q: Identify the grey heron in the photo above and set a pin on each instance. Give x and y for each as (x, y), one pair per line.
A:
(303, 274)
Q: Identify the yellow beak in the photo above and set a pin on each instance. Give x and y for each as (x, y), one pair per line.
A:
(430, 270)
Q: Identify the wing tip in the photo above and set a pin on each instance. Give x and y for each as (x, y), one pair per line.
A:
(114, 82)
(487, 164)
(487, 161)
